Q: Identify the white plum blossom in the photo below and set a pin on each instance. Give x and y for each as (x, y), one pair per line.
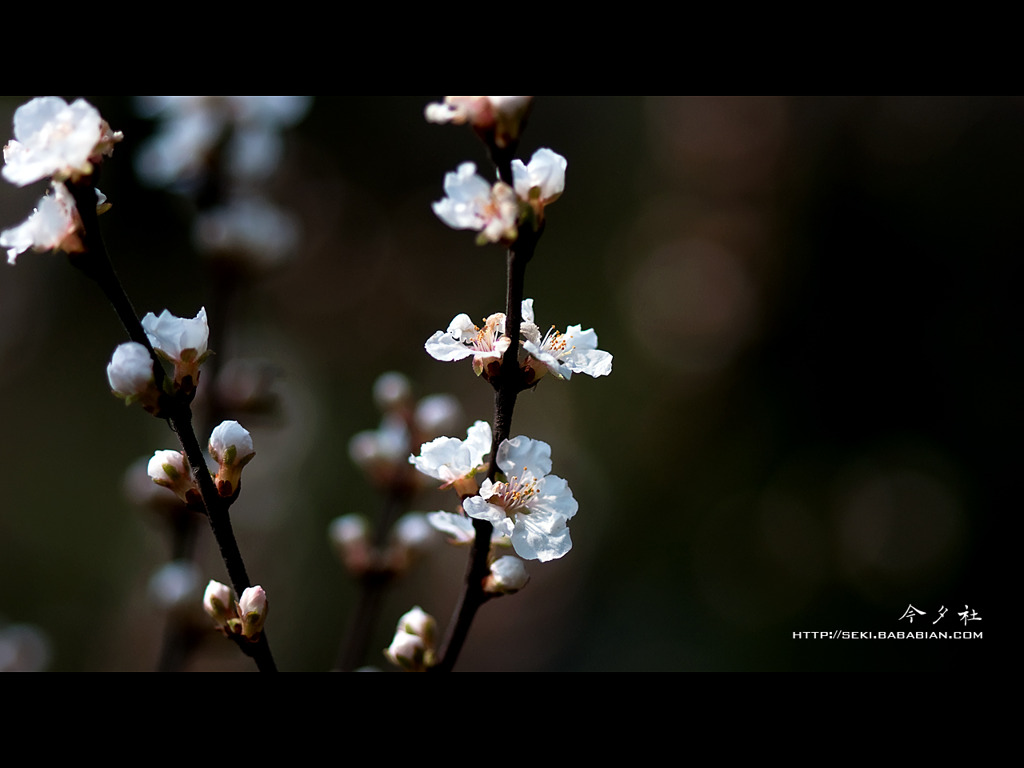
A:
(531, 506)
(130, 373)
(56, 140)
(463, 338)
(180, 341)
(508, 575)
(543, 180)
(503, 115)
(564, 354)
(53, 225)
(170, 469)
(454, 461)
(231, 447)
(473, 203)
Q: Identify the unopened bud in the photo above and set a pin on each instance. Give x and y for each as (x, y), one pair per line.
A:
(419, 622)
(508, 575)
(130, 373)
(408, 652)
(231, 447)
(219, 604)
(252, 606)
(413, 645)
(170, 469)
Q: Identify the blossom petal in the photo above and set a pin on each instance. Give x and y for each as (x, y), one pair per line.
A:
(522, 452)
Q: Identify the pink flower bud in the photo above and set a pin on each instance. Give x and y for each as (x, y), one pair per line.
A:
(252, 606)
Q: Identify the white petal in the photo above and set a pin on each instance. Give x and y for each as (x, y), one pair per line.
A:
(520, 452)
(441, 346)
(531, 544)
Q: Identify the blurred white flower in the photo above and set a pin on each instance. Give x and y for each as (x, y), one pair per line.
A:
(193, 127)
(57, 140)
(407, 651)
(392, 391)
(24, 648)
(249, 228)
(502, 115)
(175, 585)
(436, 414)
(472, 203)
(564, 354)
(413, 645)
(531, 506)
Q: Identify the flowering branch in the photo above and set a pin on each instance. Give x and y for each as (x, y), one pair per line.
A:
(95, 262)
(508, 383)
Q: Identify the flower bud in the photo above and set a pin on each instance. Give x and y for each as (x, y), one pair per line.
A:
(420, 623)
(508, 575)
(130, 373)
(231, 447)
(391, 391)
(408, 652)
(351, 538)
(219, 604)
(413, 646)
(252, 606)
(170, 469)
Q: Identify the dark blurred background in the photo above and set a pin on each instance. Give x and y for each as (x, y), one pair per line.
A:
(808, 425)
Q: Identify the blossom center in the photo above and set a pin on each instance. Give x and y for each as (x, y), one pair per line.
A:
(515, 495)
(485, 338)
(556, 343)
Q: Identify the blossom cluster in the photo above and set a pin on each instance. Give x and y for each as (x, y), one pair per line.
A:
(61, 142)
(245, 617)
(497, 210)
(562, 354)
(529, 506)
